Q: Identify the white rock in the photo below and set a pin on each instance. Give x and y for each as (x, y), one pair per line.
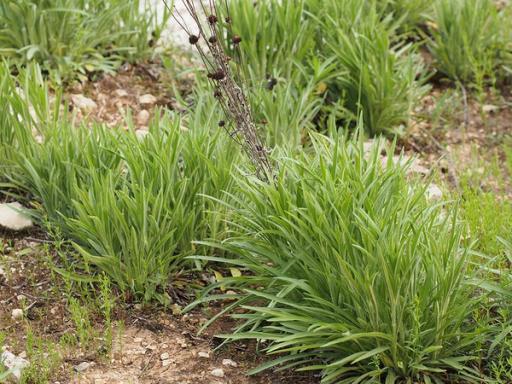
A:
(164, 356)
(229, 363)
(14, 363)
(166, 363)
(12, 217)
(21, 297)
(489, 108)
(217, 372)
(121, 93)
(83, 103)
(147, 99)
(17, 314)
(143, 117)
(137, 340)
(434, 193)
(82, 367)
(204, 355)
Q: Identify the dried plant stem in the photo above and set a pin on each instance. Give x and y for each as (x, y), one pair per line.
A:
(229, 92)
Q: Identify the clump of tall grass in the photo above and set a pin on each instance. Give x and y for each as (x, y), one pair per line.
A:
(131, 206)
(382, 78)
(138, 224)
(348, 270)
(75, 37)
(409, 14)
(366, 70)
(469, 40)
(24, 106)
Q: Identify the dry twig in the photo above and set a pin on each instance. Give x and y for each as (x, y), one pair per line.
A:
(206, 34)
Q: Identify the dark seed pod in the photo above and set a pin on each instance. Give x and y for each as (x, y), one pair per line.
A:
(272, 82)
(193, 39)
(236, 39)
(217, 93)
(228, 20)
(217, 75)
(222, 123)
(264, 122)
(212, 19)
(212, 39)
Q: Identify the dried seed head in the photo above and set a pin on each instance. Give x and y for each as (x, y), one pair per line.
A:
(212, 39)
(217, 75)
(222, 123)
(193, 39)
(264, 122)
(272, 82)
(236, 39)
(212, 19)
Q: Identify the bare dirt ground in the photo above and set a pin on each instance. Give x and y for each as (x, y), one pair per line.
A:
(151, 344)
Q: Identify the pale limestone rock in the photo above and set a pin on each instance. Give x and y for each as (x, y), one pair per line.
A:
(147, 99)
(83, 103)
(12, 217)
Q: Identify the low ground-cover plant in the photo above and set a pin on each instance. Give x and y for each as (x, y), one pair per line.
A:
(74, 37)
(347, 269)
(469, 40)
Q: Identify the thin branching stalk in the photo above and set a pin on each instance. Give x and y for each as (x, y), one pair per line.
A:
(205, 34)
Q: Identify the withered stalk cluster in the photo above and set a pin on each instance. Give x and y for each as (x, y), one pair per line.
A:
(207, 34)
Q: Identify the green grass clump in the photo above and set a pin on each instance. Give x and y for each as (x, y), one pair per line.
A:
(409, 14)
(382, 78)
(74, 37)
(131, 206)
(361, 68)
(347, 269)
(469, 40)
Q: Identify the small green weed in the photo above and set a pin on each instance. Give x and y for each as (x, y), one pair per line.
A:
(44, 360)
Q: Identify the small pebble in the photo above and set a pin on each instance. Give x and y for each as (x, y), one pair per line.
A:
(147, 99)
(82, 367)
(164, 356)
(17, 314)
(204, 355)
(121, 93)
(217, 372)
(229, 363)
(143, 117)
